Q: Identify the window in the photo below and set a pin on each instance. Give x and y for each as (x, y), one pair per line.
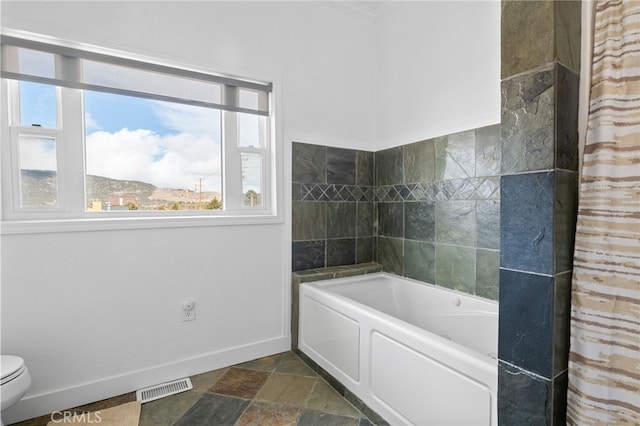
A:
(143, 154)
(94, 135)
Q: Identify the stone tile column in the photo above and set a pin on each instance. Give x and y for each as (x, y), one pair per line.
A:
(539, 187)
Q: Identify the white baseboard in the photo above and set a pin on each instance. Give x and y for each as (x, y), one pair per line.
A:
(45, 403)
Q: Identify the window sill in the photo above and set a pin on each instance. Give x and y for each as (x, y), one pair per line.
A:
(16, 227)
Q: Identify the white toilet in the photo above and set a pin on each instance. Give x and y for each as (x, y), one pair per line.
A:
(15, 381)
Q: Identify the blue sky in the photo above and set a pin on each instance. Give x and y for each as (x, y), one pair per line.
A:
(114, 112)
(42, 104)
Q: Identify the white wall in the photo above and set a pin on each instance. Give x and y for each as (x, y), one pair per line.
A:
(438, 68)
(325, 58)
(97, 313)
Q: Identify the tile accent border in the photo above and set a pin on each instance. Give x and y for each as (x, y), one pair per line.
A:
(334, 192)
(481, 188)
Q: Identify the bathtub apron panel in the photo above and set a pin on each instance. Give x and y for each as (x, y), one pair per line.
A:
(414, 353)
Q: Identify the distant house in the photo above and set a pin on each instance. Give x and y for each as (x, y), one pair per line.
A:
(95, 206)
(121, 202)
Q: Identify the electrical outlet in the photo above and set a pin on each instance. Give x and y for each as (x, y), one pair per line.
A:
(188, 310)
(189, 315)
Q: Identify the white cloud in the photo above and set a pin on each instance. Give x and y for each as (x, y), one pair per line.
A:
(37, 153)
(90, 122)
(177, 160)
(170, 161)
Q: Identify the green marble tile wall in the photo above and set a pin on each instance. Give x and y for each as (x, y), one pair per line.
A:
(333, 207)
(438, 210)
(429, 210)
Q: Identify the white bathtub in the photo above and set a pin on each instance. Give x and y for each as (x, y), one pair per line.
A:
(413, 352)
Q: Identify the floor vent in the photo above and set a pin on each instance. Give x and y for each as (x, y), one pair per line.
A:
(164, 389)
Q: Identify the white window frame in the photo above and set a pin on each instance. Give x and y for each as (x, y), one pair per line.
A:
(71, 214)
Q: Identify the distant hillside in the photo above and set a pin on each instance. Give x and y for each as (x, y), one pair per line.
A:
(100, 188)
(39, 189)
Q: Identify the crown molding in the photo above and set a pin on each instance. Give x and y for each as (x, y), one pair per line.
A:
(361, 10)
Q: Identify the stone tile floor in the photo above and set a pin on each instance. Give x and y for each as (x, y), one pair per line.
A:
(275, 390)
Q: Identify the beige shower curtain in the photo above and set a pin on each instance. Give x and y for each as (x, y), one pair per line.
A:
(604, 359)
